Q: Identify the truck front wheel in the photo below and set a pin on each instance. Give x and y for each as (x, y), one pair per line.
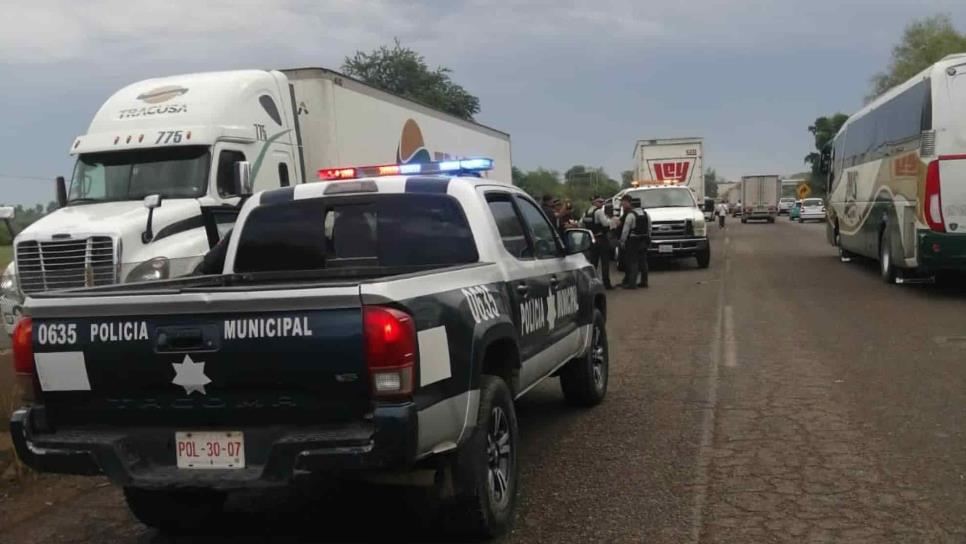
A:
(704, 257)
(485, 469)
(174, 510)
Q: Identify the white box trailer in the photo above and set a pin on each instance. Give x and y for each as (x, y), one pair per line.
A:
(673, 161)
(759, 197)
(190, 138)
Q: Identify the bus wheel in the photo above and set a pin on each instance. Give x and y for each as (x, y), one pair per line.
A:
(844, 254)
(887, 268)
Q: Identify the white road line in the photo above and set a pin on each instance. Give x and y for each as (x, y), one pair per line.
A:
(703, 459)
(728, 335)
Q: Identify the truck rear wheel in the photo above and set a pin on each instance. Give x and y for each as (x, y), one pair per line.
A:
(584, 379)
(174, 510)
(485, 469)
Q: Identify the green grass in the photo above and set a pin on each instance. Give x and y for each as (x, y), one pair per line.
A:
(6, 255)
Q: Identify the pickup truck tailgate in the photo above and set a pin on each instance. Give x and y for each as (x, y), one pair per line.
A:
(198, 368)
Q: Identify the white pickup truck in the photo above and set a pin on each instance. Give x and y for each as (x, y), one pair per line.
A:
(678, 226)
(366, 326)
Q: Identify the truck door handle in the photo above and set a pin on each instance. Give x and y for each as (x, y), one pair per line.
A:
(554, 281)
(180, 338)
(523, 289)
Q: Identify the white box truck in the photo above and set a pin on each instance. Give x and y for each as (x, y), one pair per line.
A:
(672, 161)
(759, 197)
(189, 142)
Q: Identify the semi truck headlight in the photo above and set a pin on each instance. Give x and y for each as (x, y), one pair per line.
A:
(154, 269)
(8, 283)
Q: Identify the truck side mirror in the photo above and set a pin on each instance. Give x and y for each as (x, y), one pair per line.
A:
(578, 240)
(242, 178)
(150, 202)
(61, 191)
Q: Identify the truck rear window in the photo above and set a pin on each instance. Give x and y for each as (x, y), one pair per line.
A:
(388, 230)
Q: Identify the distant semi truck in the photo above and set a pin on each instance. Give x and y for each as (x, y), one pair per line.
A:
(759, 197)
(673, 161)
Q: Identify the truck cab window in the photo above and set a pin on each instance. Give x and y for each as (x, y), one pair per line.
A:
(544, 239)
(226, 166)
(509, 225)
(283, 175)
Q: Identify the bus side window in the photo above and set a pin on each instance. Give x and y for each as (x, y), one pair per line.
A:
(283, 175)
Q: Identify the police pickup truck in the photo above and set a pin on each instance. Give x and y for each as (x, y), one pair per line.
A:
(380, 323)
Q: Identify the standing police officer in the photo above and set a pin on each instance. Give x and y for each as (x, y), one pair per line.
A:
(600, 253)
(635, 239)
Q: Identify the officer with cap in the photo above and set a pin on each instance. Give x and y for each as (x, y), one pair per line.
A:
(635, 239)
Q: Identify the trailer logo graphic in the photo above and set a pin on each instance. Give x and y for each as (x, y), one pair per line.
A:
(162, 94)
(677, 171)
(412, 147)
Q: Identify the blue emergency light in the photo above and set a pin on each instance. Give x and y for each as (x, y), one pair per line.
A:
(453, 167)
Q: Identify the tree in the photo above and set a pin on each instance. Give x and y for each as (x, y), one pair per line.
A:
(824, 130)
(711, 183)
(539, 182)
(923, 43)
(402, 71)
(627, 176)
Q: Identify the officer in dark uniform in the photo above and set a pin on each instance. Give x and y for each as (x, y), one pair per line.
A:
(598, 222)
(635, 239)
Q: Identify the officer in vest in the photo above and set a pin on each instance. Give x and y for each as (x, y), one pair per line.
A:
(635, 239)
(597, 221)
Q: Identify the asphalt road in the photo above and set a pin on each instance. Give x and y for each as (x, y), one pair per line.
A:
(779, 396)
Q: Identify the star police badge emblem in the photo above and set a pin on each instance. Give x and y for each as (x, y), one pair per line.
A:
(191, 376)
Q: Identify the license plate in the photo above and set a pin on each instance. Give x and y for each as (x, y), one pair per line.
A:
(223, 449)
(665, 248)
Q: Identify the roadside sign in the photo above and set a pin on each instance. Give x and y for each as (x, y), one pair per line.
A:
(803, 190)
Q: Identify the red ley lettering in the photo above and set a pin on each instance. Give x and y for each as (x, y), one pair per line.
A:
(673, 171)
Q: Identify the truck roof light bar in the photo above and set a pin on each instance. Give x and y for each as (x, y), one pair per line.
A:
(453, 167)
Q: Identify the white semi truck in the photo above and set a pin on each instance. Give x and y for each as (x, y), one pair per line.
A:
(675, 161)
(759, 197)
(158, 173)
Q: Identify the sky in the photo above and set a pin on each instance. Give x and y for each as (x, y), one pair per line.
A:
(572, 82)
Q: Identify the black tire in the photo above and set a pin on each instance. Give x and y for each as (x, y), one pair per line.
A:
(481, 509)
(584, 379)
(704, 258)
(887, 267)
(174, 511)
(771, 219)
(743, 220)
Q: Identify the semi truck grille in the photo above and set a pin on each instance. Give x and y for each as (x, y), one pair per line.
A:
(668, 229)
(64, 264)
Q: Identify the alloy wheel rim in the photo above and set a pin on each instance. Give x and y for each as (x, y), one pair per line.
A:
(598, 358)
(499, 448)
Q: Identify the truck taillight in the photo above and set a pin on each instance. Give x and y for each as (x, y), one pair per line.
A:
(390, 337)
(23, 359)
(934, 204)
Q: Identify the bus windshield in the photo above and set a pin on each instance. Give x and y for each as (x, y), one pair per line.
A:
(172, 172)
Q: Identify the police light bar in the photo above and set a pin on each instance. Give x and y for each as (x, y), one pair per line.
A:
(454, 167)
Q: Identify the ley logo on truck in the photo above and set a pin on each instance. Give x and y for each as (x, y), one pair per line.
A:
(671, 171)
(157, 96)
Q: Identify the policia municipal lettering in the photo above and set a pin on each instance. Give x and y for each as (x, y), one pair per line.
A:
(635, 239)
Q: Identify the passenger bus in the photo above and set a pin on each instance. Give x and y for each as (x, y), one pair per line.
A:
(897, 176)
